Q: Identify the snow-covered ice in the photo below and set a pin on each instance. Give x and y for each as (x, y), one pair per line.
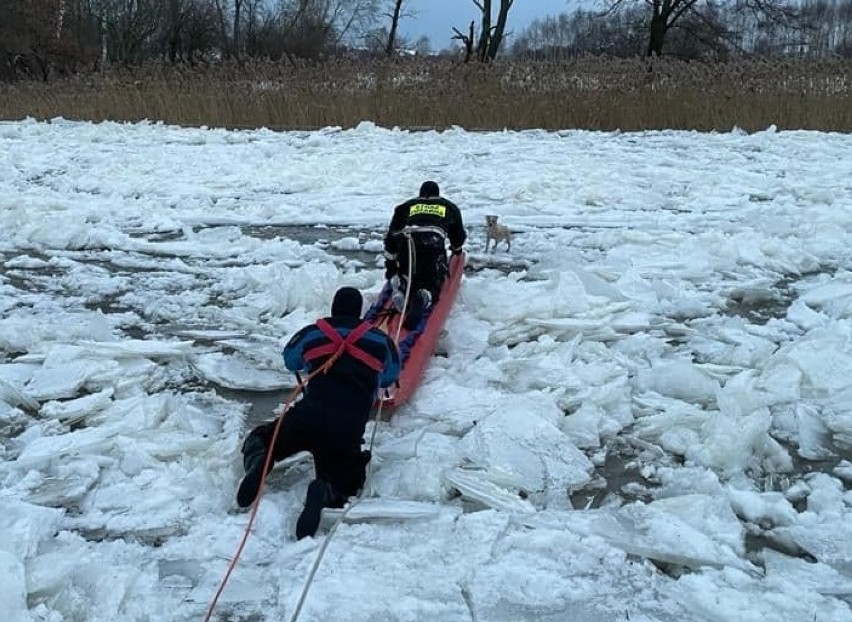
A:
(644, 412)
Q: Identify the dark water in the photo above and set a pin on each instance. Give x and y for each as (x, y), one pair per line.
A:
(261, 404)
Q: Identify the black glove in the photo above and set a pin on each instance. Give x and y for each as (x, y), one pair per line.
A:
(391, 268)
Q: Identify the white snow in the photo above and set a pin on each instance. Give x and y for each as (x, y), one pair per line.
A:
(644, 411)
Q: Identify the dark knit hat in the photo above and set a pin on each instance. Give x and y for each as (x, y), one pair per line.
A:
(347, 302)
(429, 189)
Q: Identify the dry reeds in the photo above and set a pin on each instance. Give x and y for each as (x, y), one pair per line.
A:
(587, 93)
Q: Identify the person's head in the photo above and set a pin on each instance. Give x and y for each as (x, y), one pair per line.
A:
(347, 302)
(429, 189)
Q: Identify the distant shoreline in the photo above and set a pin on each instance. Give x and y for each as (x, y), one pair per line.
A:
(438, 93)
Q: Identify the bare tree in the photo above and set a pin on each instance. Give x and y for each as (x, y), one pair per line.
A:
(223, 27)
(491, 37)
(467, 41)
(580, 33)
(238, 6)
(187, 26)
(396, 12)
(484, 7)
(130, 27)
(496, 39)
(667, 14)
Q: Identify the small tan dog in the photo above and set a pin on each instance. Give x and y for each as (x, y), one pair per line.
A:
(496, 232)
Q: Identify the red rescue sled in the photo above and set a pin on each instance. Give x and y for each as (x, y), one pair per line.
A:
(417, 346)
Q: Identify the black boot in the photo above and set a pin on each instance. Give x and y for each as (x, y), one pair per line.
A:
(254, 456)
(364, 458)
(320, 495)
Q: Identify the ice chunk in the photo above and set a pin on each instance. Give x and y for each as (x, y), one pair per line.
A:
(49, 572)
(739, 396)
(814, 435)
(58, 381)
(763, 508)
(583, 426)
(135, 348)
(66, 483)
(386, 510)
(251, 584)
(653, 533)
(675, 424)
(412, 466)
(798, 575)
(72, 411)
(687, 480)
(13, 596)
(840, 420)
(833, 297)
(734, 444)
(67, 369)
(591, 330)
(826, 495)
(804, 317)
(780, 382)
(678, 379)
(17, 374)
(23, 526)
(732, 596)
(543, 364)
(238, 372)
(16, 397)
(39, 453)
(476, 485)
(349, 243)
(209, 334)
(454, 410)
(844, 471)
(26, 262)
(824, 365)
(829, 541)
(709, 515)
(535, 451)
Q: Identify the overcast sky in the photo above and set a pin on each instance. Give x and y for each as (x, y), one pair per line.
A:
(436, 18)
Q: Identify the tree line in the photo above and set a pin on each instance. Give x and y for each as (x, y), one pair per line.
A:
(696, 30)
(45, 38)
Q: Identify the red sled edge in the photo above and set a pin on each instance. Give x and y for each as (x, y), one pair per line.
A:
(424, 344)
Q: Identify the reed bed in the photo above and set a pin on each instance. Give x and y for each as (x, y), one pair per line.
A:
(584, 93)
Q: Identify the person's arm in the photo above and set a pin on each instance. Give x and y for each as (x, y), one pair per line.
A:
(456, 232)
(294, 351)
(396, 224)
(391, 369)
(392, 241)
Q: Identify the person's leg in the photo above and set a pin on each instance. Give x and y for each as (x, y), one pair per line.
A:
(435, 270)
(442, 271)
(320, 495)
(339, 475)
(287, 443)
(346, 471)
(427, 282)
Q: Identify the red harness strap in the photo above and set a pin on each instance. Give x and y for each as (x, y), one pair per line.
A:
(338, 345)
